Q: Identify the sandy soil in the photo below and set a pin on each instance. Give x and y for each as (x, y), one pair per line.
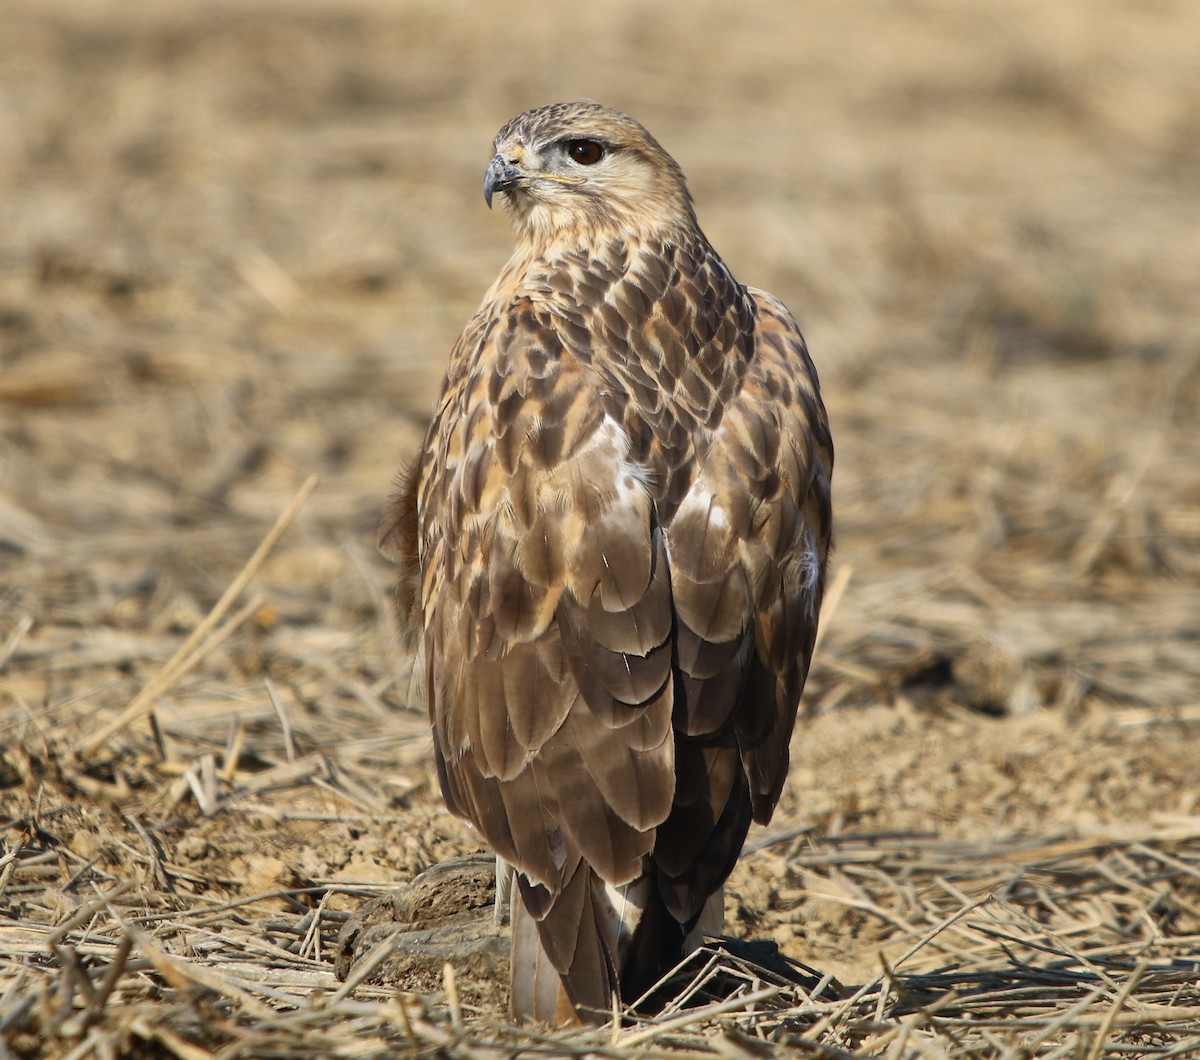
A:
(236, 242)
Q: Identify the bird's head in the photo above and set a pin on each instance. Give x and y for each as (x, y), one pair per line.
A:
(581, 166)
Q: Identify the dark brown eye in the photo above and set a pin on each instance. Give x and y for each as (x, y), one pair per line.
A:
(585, 152)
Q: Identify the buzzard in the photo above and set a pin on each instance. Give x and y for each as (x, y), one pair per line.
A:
(611, 552)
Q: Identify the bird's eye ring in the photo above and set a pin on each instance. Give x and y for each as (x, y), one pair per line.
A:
(585, 152)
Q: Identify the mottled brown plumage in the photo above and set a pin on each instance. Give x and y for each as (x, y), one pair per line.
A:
(612, 549)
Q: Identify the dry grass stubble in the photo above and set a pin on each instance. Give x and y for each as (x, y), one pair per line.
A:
(234, 247)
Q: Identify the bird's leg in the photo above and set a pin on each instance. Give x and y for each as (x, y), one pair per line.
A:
(504, 891)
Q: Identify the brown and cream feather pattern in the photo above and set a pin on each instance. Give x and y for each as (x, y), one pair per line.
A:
(612, 548)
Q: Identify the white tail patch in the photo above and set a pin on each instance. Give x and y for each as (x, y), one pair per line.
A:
(711, 922)
(502, 911)
(626, 904)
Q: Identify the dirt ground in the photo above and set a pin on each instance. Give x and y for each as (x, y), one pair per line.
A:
(236, 242)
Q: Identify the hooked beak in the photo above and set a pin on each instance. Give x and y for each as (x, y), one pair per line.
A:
(500, 176)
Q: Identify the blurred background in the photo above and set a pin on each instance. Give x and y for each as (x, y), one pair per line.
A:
(238, 239)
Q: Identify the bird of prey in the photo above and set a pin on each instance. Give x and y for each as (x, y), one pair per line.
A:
(612, 550)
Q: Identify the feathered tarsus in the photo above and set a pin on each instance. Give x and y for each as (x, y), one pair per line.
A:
(612, 549)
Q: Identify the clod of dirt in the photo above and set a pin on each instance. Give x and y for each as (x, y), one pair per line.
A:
(442, 916)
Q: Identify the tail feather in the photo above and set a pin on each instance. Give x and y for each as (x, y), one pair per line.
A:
(656, 946)
(711, 921)
(537, 993)
(593, 943)
(564, 966)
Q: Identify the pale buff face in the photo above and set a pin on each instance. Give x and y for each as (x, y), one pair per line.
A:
(581, 165)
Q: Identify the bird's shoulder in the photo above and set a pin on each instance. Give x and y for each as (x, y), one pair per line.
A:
(757, 504)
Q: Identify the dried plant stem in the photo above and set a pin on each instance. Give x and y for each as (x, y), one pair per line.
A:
(183, 658)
